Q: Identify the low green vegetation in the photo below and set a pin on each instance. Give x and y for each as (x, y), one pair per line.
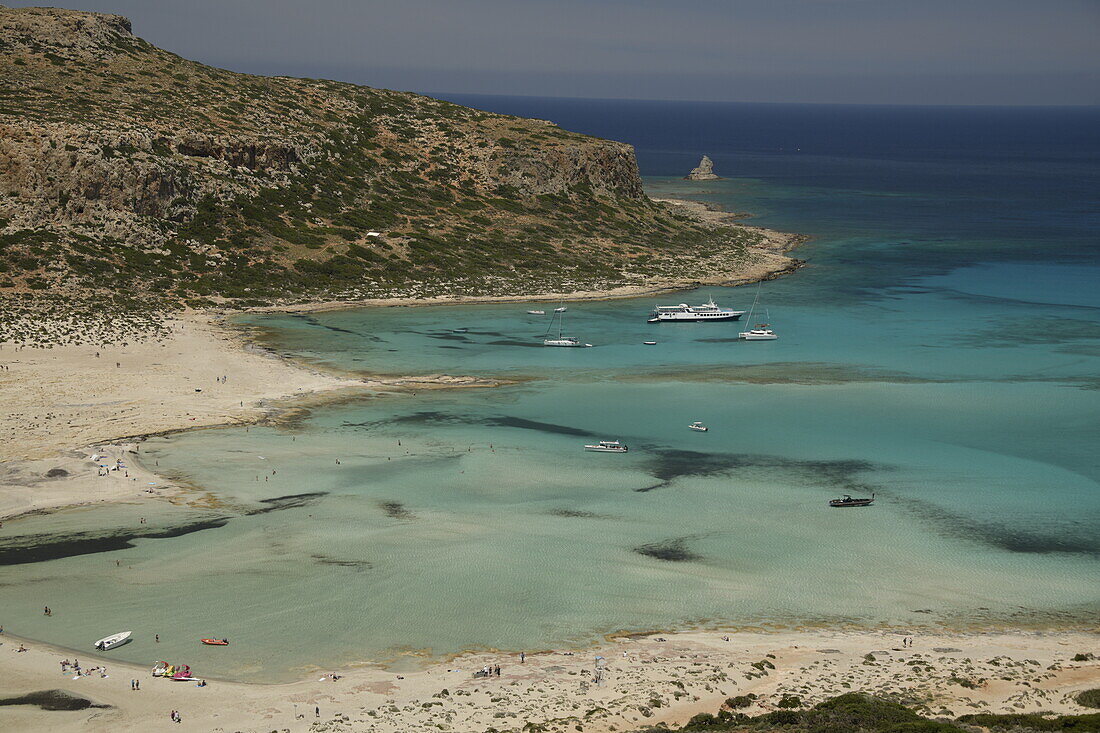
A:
(861, 713)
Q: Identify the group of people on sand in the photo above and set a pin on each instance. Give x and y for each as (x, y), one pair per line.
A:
(489, 670)
(74, 666)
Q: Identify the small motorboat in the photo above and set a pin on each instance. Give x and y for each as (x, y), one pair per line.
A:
(110, 642)
(650, 343)
(607, 446)
(460, 330)
(698, 426)
(216, 642)
(848, 501)
(537, 313)
(563, 309)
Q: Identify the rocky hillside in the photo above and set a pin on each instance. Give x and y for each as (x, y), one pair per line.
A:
(127, 169)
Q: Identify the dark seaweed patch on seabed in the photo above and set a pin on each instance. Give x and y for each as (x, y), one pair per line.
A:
(1032, 540)
(447, 336)
(396, 510)
(671, 550)
(314, 322)
(575, 514)
(290, 501)
(25, 549)
(52, 700)
(668, 465)
(509, 342)
(543, 427)
(352, 564)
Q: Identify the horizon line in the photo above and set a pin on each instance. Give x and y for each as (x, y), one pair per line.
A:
(1024, 105)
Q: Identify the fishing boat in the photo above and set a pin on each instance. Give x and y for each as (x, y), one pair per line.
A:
(607, 446)
(216, 642)
(567, 341)
(708, 311)
(848, 501)
(110, 642)
(698, 426)
(537, 313)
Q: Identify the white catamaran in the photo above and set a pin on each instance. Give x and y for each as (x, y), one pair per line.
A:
(708, 311)
(607, 446)
(560, 340)
(759, 332)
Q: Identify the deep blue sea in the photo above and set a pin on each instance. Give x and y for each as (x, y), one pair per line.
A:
(941, 348)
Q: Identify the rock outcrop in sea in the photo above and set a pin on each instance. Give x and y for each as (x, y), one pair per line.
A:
(703, 172)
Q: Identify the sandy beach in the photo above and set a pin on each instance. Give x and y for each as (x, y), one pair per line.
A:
(625, 684)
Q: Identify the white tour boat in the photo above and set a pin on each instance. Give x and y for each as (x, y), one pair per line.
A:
(708, 311)
(607, 446)
(110, 642)
(698, 426)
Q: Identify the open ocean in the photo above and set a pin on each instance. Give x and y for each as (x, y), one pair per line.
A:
(941, 349)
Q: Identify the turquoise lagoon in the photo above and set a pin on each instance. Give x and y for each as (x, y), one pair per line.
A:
(936, 351)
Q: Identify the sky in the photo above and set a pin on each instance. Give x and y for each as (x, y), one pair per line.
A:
(1007, 52)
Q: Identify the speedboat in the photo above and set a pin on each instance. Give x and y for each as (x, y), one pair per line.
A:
(650, 343)
(460, 330)
(563, 341)
(698, 426)
(708, 311)
(760, 332)
(848, 501)
(537, 313)
(110, 642)
(216, 642)
(607, 446)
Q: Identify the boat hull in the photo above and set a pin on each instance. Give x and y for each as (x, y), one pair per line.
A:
(595, 449)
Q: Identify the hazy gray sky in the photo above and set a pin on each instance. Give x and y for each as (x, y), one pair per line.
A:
(862, 51)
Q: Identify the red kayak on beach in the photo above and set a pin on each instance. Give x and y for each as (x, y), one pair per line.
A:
(216, 642)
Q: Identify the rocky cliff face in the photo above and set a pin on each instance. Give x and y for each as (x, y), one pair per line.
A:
(125, 166)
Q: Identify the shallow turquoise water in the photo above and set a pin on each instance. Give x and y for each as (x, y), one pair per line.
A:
(936, 350)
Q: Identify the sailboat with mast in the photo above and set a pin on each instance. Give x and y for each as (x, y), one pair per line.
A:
(761, 331)
(567, 341)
